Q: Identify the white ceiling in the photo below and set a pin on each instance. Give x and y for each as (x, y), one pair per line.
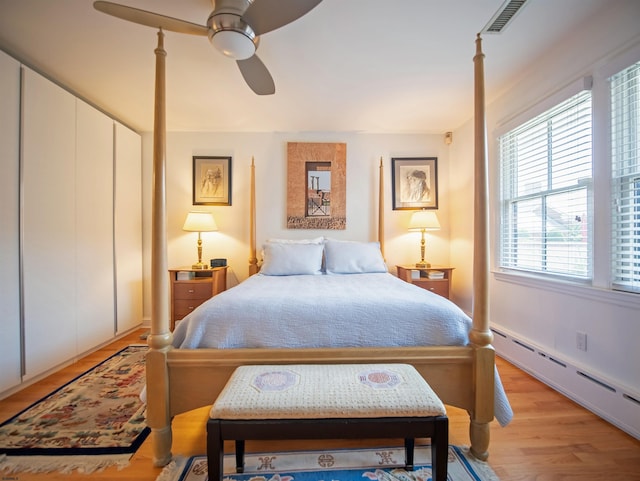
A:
(348, 65)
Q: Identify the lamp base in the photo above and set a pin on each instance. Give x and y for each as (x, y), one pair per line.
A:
(423, 265)
(200, 266)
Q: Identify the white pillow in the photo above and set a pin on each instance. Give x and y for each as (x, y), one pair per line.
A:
(315, 240)
(348, 257)
(291, 259)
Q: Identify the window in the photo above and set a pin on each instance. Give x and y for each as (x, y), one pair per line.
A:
(546, 173)
(625, 159)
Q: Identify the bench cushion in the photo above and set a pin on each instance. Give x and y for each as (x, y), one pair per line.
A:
(305, 391)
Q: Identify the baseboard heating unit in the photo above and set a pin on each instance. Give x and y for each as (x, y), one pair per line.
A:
(613, 402)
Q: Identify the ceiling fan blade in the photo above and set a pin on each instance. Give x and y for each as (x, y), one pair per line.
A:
(266, 15)
(257, 76)
(150, 19)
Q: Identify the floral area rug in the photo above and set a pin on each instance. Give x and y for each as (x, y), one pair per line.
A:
(94, 421)
(370, 464)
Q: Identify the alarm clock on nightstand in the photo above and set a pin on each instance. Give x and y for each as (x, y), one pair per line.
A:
(218, 262)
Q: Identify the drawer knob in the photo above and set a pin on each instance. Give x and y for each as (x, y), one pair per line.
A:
(191, 291)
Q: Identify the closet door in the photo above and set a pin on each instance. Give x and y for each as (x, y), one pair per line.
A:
(128, 227)
(49, 224)
(95, 296)
(10, 351)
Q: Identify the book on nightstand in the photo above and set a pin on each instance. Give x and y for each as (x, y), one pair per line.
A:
(435, 275)
(185, 275)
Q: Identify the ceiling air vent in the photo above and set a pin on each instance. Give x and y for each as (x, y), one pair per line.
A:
(503, 16)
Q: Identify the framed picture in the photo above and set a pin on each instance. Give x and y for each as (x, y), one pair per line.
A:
(316, 185)
(414, 183)
(211, 180)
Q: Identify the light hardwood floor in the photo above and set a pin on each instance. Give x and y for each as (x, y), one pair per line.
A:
(551, 438)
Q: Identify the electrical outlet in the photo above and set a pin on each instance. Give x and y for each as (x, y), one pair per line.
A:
(581, 341)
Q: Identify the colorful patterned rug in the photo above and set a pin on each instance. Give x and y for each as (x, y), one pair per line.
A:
(370, 464)
(94, 421)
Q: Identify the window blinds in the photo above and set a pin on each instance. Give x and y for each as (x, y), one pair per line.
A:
(625, 171)
(546, 170)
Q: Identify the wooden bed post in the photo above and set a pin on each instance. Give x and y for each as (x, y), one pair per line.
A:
(381, 209)
(253, 260)
(159, 340)
(480, 335)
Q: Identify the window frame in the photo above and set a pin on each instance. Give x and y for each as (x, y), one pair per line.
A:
(547, 113)
(624, 152)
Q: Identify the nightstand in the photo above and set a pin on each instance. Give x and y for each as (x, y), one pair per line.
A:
(191, 287)
(438, 286)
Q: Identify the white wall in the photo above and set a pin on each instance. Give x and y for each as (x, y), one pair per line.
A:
(461, 217)
(548, 314)
(269, 150)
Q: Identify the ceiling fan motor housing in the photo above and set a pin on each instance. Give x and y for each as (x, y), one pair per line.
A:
(228, 33)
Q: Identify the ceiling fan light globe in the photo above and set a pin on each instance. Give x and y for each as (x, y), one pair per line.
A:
(233, 44)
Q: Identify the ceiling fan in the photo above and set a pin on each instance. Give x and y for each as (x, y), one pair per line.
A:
(234, 28)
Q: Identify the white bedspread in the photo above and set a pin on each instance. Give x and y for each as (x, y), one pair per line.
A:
(353, 310)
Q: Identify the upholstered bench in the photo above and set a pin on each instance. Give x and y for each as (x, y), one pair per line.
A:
(333, 401)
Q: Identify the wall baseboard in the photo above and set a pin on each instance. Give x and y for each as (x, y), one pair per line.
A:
(607, 398)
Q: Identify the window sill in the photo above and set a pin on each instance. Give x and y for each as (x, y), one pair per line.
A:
(618, 298)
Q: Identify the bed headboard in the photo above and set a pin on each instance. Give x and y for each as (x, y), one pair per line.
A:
(253, 258)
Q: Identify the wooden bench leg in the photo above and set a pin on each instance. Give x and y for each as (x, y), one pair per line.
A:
(409, 444)
(240, 456)
(440, 449)
(215, 450)
(437, 427)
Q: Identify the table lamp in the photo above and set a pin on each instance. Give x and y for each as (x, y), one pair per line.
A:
(422, 221)
(200, 222)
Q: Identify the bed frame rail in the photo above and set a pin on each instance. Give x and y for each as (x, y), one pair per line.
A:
(446, 369)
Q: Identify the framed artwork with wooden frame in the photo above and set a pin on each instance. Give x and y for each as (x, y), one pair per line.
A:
(211, 180)
(316, 185)
(414, 183)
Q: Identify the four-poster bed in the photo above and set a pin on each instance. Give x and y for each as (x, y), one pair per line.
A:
(179, 380)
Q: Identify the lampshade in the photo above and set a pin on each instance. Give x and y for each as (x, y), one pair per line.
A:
(200, 222)
(424, 220)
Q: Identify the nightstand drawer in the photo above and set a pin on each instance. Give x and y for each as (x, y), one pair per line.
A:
(192, 290)
(440, 287)
(182, 307)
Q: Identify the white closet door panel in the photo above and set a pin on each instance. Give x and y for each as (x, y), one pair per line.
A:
(48, 166)
(94, 227)
(9, 223)
(128, 228)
